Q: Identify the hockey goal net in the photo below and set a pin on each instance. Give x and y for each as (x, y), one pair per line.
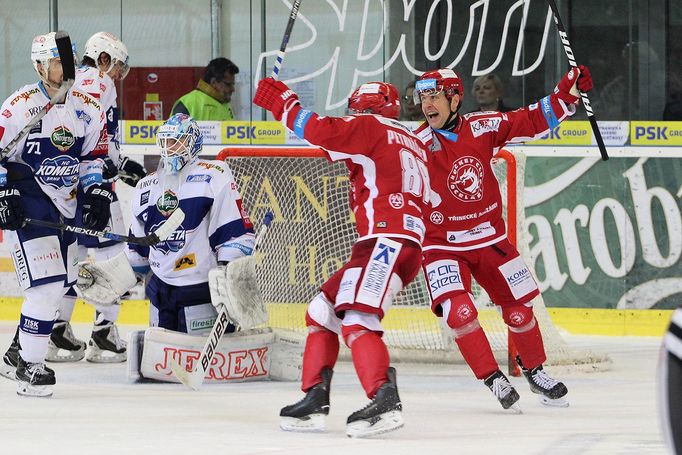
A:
(312, 235)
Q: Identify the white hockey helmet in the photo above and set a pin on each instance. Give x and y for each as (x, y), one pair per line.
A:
(43, 49)
(180, 141)
(105, 42)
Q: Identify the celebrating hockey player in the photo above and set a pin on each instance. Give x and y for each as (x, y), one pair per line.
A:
(39, 179)
(389, 184)
(466, 234)
(104, 53)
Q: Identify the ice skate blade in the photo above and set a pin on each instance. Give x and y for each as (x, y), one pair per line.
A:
(25, 389)
(7, 371)
(553, 403)
(514, 409)
(54, 355)
(388, 421)
(101, 357)
(314, 423)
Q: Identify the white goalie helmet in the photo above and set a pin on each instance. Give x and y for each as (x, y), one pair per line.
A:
(43, 49)
(105, 42)
(180, 141)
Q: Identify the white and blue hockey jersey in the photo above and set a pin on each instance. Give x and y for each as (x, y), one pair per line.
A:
(61, 149)
(216, 226)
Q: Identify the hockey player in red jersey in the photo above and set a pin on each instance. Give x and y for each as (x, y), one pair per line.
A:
(389, 185)
(466, 234)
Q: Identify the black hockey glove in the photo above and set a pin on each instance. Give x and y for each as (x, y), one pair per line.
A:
(11, 211)
(109, 170)
(131, 171)
(96, 203)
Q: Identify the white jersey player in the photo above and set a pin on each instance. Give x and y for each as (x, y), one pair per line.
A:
(40, 179)
(216, 228)
(105, 62)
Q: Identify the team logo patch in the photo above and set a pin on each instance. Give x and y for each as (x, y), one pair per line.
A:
(185, 262)
(58, 172)
(382, 224)
(465, 181)
(167, 203)
(62, 138)
(144, 198)
(196, 178)
(436, 217)
(6, 113)
(174, 243)
(464, 312)
(396, 200)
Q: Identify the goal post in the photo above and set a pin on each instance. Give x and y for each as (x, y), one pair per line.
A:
(314, 229)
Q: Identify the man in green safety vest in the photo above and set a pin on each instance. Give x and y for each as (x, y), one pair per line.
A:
(211, 99)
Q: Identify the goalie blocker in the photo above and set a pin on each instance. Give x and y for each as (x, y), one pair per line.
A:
(251, 355)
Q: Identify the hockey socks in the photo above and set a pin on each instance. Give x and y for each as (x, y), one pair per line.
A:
(370, 357)
(321, 351)
(529, 345)
(477, 353)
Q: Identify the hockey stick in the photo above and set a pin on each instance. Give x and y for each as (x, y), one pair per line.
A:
(285, 39)
(155, 237)
(195, 378)
(572, 61)
(68, 67)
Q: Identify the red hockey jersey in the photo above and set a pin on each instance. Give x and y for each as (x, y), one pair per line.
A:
(469, 215)
(388, 175)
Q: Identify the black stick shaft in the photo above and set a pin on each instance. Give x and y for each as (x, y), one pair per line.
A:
(285, 39)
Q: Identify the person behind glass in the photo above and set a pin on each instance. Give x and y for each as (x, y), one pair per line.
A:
(211, 99)
(488, 91)
(409, 111)
(389, 184)
(466, 235)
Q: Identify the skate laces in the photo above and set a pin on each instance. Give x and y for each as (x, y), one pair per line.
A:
(501, 387)
(114, 337)
(35, 369)
(68, 333)
(543, 380)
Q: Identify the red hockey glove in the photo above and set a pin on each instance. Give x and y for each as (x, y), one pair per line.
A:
(566, 88)
(275, 97)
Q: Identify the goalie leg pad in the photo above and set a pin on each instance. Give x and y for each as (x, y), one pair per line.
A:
(239, 357)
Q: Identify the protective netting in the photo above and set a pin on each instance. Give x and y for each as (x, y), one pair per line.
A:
(312, 235)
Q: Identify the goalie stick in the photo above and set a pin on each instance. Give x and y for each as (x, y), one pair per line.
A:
(69, 69)
(285, 39)
(572, 61)
(155, 237)
(195, 378)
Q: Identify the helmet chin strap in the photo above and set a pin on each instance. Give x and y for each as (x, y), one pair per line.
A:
(452, 120)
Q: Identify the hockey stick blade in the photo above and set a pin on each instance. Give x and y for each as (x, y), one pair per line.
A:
(65, 49)
(195, 378)
(155, 237)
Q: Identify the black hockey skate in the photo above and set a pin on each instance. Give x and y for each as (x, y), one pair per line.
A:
(105, 345)
(551, 391)
(381, 415)
(34, 379)
(63, 345)
(308, 415)
(8, 366)
(505, 393)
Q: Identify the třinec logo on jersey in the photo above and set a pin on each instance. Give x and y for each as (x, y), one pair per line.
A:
(174, 243)
(465, 181)
(62, 138)
(58, 172)
(167, 203)
(436, 217)
(396, 200)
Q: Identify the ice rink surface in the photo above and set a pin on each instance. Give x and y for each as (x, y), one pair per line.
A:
(95, 410)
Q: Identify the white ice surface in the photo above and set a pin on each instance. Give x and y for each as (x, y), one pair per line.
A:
(95, 410)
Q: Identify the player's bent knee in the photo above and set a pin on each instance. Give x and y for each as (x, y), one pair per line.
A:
(357, 323)
(519, 318)
(459, 311)
(321, 313)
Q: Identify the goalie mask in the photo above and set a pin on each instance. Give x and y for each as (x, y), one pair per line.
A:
(380, 98)
(436, 81)
(180, 141)
(116, 65)
(44, 49)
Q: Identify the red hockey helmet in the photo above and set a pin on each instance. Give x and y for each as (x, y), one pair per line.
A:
(380, 98)
(436, 81)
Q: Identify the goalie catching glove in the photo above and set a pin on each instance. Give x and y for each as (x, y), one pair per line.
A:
(234, 286)
(103, 283)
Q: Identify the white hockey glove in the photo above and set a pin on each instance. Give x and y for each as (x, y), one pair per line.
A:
(103, 283)
(234, 286)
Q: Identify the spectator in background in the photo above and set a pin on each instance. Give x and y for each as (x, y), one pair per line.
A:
(488, 91)
(211, 99)
(409, 111)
